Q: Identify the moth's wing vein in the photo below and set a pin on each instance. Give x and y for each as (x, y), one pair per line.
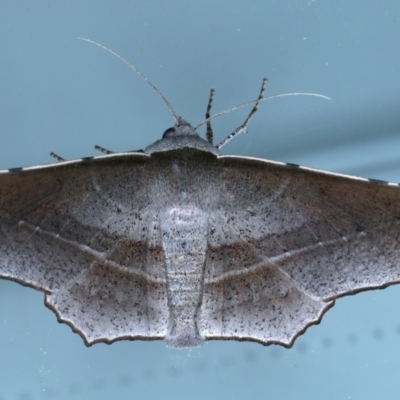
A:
(67, 233)
(323, 237)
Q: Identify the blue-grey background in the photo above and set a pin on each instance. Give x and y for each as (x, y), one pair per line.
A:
(63, 95)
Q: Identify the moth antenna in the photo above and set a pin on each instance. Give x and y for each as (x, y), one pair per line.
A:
(143, 76)
(209, 134)
(243, 127)
(257, 101)
(263, 99)
(57, 157)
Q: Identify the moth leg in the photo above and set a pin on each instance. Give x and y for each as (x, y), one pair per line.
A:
(57, 157)
(242, 128)
(209, 134)
(103, 150)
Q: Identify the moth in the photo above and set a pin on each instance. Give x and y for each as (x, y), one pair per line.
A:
(182, 244)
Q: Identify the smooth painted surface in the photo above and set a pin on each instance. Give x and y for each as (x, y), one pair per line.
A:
(59, 94)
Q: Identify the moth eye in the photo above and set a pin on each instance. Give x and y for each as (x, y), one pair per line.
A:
(169, 132)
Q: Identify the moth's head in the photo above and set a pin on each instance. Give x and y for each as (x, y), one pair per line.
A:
(181, 128)
(181, 136)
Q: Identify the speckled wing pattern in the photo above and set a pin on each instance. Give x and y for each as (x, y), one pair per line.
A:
(296, 239)
(281, 243)
(74, 233)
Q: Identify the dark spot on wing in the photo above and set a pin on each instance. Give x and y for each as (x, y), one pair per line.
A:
(293, 165)
(378, 181)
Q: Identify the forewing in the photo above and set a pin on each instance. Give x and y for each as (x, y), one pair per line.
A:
(84, 234)
(288, 242)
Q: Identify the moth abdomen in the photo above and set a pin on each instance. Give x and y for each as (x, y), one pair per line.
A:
(184, 243)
